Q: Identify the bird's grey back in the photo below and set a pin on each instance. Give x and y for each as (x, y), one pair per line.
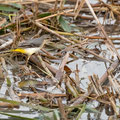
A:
(36, 42)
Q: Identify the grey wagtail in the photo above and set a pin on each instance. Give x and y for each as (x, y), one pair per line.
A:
(32, 46)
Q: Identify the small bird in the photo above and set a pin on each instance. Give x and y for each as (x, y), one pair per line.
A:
(32, 46)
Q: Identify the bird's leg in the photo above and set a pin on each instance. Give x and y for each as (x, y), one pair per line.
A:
(44, 42)
(28, 57)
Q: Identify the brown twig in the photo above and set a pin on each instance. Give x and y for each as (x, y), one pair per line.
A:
(102, 80)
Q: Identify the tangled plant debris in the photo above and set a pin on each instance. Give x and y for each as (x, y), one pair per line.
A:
(47, 48)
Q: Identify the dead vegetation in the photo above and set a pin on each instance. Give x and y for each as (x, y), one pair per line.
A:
(41, 41)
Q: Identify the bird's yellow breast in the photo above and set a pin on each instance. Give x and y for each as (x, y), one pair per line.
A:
(28, 51)
(19, 50)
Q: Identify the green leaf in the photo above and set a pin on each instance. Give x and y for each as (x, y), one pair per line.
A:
(44, 15)
(64, 24)
(37, 107)
(56, 115)
(27, 83)
(81, 112)
(19, 6)
(8, 82)
(15, 116)
(91, 110)
(7, 8)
